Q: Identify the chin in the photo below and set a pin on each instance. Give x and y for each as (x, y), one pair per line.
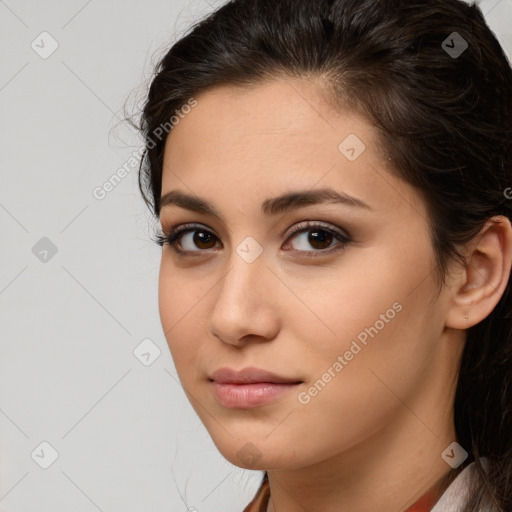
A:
(256, 453)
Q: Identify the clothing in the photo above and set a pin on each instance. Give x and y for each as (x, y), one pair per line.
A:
(455, 496)
(260, 501)
(451, 500)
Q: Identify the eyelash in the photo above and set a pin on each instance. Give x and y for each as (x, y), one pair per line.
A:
(172, 238)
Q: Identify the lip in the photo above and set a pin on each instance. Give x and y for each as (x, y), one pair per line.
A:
(250, 387)
(249, 375)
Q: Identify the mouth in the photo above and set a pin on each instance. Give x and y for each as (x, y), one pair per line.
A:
(250, 387)
(249, 375)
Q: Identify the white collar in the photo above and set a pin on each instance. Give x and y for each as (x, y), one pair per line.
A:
(455, 496)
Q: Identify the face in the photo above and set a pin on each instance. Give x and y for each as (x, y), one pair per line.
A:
(331, 295)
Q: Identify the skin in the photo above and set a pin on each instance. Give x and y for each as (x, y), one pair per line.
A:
(372, 438)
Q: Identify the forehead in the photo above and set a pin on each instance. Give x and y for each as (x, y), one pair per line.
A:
(280, 114)
(276, 136)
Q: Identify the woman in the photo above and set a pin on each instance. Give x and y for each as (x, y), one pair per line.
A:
(333, 181)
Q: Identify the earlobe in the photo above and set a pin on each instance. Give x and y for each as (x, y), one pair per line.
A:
(483, 280)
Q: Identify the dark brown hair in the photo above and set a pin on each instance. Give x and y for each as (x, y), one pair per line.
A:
(445, 121)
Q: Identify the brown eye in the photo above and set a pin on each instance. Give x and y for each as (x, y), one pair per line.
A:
(189, 238)
(315, 239)
(310, 238)
(194, 240)
(320, 239)
(203, 239)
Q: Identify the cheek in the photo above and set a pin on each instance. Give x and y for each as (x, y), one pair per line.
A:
(178, 304)
(353, 301)
(179, 296)
(374, 319)
(358, 382)
(167, 301)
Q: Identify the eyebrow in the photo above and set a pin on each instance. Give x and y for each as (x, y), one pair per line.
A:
(273, 206)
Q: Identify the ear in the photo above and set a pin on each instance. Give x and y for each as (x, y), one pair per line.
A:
(482, 281)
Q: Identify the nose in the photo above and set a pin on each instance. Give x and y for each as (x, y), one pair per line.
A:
(246, 304)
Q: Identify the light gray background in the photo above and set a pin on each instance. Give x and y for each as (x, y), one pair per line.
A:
(126, 436)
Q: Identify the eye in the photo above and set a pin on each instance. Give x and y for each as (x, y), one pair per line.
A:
(188, 235)
(319, 236)
(313, 237)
